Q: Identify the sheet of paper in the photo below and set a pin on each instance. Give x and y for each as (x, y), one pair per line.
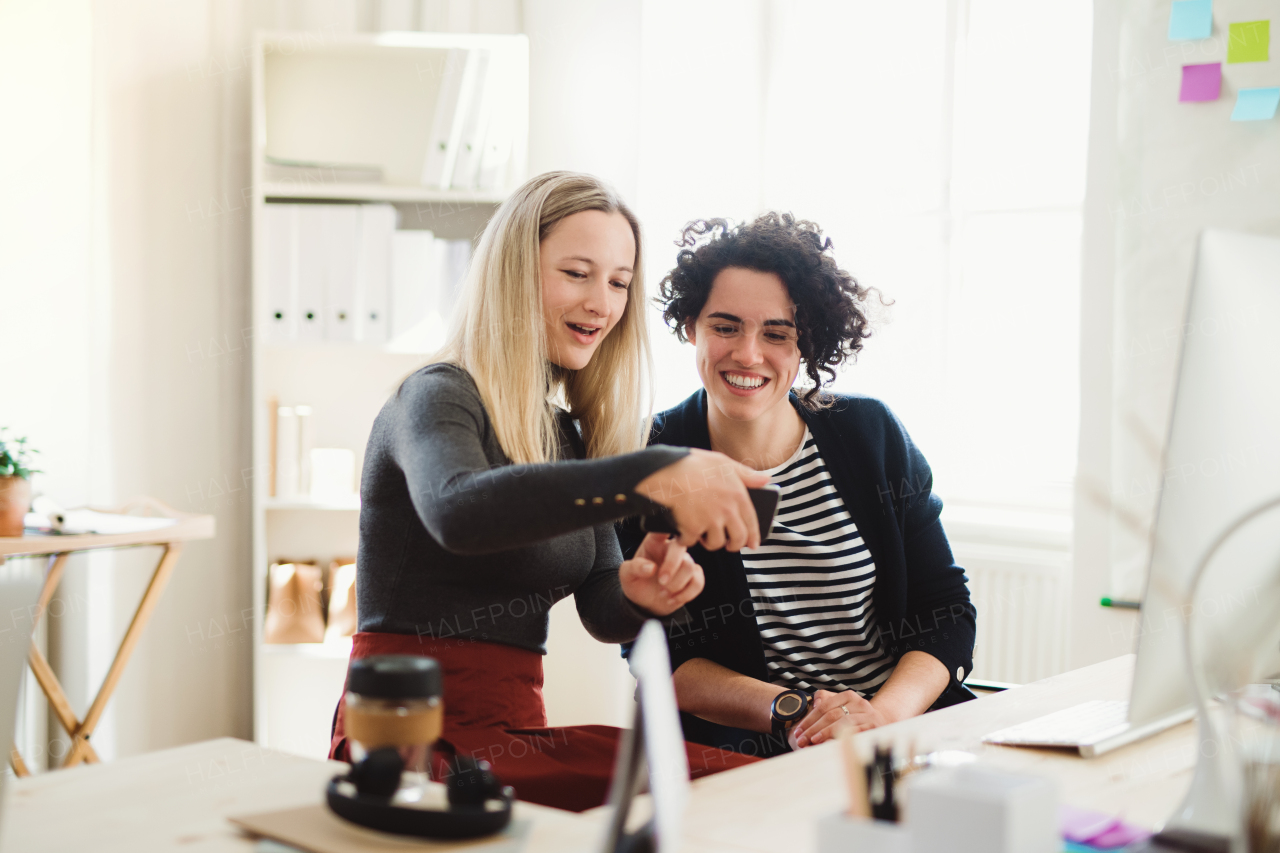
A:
(92, 521)
(1201, 82)
(318, 830)
(1190, 19)
(1256, 104)
(1249, 41)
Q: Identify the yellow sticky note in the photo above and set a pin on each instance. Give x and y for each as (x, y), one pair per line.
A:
(1249, 42)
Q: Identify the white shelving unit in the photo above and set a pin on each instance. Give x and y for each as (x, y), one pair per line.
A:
(358, 99)
(375, 192)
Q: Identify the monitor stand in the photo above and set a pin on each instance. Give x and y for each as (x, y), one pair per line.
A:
(631, 775)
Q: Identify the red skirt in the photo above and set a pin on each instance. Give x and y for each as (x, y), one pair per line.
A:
(493, 710)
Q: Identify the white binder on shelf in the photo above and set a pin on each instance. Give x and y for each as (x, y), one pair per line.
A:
(280, 242)
(312, 262)
(457, 85)
(342, 239)
(475, 123)
(413, 293)
(503, 109)
(373, 280)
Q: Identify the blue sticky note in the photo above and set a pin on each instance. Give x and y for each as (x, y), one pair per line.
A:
(1256, 104)
(1191, 19)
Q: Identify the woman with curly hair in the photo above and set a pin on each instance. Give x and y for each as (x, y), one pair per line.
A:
(853, 611)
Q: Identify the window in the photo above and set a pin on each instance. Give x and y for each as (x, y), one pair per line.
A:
(942, 148)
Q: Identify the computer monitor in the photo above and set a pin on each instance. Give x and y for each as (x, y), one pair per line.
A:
(1222, 461)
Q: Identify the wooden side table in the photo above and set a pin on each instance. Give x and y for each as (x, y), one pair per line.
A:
(58, 548)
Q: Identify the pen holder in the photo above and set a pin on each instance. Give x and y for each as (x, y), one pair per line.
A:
(841, 833)
(976, 809)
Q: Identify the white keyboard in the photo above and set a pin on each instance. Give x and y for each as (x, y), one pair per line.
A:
(1090, 727)
(1077, 726)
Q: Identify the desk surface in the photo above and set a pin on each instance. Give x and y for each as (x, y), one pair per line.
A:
(178, 799)
(186, 528)
(774, 804)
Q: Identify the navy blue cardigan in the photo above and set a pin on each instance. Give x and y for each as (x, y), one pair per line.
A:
(921, 596)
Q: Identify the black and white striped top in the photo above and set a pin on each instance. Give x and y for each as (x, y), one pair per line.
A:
(811, 584)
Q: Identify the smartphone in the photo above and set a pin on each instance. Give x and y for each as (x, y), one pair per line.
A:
(764, 500)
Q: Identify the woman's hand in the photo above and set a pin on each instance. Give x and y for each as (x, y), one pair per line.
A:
(661, 577)
(707, 493)
(830, 713)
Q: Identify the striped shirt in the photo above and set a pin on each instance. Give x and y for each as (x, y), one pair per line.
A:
(811, 583)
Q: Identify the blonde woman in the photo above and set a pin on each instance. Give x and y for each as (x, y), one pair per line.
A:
(484, 502)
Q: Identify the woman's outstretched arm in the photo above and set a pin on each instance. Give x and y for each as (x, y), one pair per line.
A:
(436, 431)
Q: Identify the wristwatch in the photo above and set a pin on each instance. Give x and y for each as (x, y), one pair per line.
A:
(789, 707)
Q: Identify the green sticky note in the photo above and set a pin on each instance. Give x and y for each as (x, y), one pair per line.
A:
(1249, 42)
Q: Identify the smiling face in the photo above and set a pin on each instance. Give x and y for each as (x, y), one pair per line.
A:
(587, 261)
(746, 340)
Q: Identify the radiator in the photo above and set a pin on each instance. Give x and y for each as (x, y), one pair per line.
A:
(1019, 580)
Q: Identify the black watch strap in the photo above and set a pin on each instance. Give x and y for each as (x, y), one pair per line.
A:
(789, 707)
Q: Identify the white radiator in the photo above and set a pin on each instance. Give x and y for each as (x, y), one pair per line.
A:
(1019, 568)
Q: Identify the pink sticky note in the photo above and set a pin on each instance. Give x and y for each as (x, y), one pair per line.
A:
(1083, 825)
(1122, 835)
(1201, 82)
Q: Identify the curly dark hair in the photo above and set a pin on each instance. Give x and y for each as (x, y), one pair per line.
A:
(830, 305)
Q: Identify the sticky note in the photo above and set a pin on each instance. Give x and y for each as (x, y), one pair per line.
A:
(1201, 82)
(1256, 104)
(1191, 19)
(1249, 41)
(1081, 825)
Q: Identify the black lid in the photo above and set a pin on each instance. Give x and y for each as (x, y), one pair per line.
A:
(396, 677)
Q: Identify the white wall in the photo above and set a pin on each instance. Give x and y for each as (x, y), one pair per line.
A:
(171, 130)
(584, 88)
(125, 262)
(1184, 167)
(584, 92)
(1160, 172)
(1097, 633)
(53, 334)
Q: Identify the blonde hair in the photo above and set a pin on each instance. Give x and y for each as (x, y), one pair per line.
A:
(499, 336)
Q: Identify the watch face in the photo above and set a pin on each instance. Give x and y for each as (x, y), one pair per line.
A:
(788, 705)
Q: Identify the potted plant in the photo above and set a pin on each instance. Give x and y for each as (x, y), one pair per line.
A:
(15, 483)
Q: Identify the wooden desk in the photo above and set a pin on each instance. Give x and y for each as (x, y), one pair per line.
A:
(186, 527)
(179, 799)
(773, 805)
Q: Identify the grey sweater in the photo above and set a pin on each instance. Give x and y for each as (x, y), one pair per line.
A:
(455, 541)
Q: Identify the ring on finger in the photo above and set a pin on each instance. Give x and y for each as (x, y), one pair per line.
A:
(845, 708)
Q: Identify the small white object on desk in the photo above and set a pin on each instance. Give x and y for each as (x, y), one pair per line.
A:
(968, 808)
(76, 521)
(843, 833)
(978, 809)
(47, 514)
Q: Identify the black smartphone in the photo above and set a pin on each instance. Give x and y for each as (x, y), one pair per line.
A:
(764, 500)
